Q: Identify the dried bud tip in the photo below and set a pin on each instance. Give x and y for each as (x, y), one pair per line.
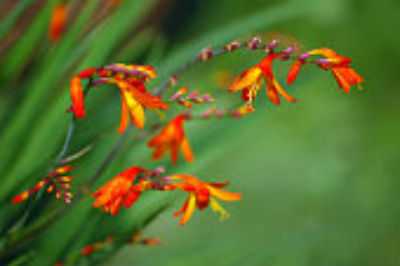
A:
(158, 171)
(273, 44)
(206, 54)
(179, 94)
(232, 46)
(254, 43)
(207, 98)
(304, 56)
(173, 80)
(193, 95)
(288, 50)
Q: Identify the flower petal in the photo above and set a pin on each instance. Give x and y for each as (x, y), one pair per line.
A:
(341, 80)
(174, 148)
(282, 92)
(191, 205)
(248, 78)
(186, 150)
(77, 98)
(224, 195)
(294, 72)
(148, 100)
(135, 108)
(217, 208)
(124, 117)
(272, 93)
(202, 197)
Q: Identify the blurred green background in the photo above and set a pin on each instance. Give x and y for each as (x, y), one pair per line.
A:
(319, 178)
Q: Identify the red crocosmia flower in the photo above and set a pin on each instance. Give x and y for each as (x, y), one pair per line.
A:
(77, 98)
(130, 79)
(249, 82)
(172, 137)
(121, 191)
(339, 65)
(201, 195)
(58, 22)
(134, 98)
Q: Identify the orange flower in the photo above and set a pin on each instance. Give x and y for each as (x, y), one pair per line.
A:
(57, 181)
(249, 82)
(58, 22)
(201, 194)
(345, 76)
(77, 98)
(172, 137)
(121, 190)
(130, 79)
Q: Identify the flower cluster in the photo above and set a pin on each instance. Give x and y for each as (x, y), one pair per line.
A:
(249, 82)
(339, 65)
(121, 190)
(125, 189)
(58, 181)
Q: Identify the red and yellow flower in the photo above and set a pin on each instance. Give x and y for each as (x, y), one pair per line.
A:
(249, 82)
(121, 191)
(172, 137)
(130, 79)
(339, 65)
(201, 195)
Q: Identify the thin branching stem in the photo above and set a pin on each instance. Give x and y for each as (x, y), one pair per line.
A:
(198, 59)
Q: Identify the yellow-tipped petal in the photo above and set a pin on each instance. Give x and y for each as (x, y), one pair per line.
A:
(186, 150)
(329, 53)
(248, 78)
(224, 195)
(272, 93)
(283, 92)
(191, 206)
(217, 208)
(135, 109)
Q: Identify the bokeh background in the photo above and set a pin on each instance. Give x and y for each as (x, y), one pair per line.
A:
(320, 178)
